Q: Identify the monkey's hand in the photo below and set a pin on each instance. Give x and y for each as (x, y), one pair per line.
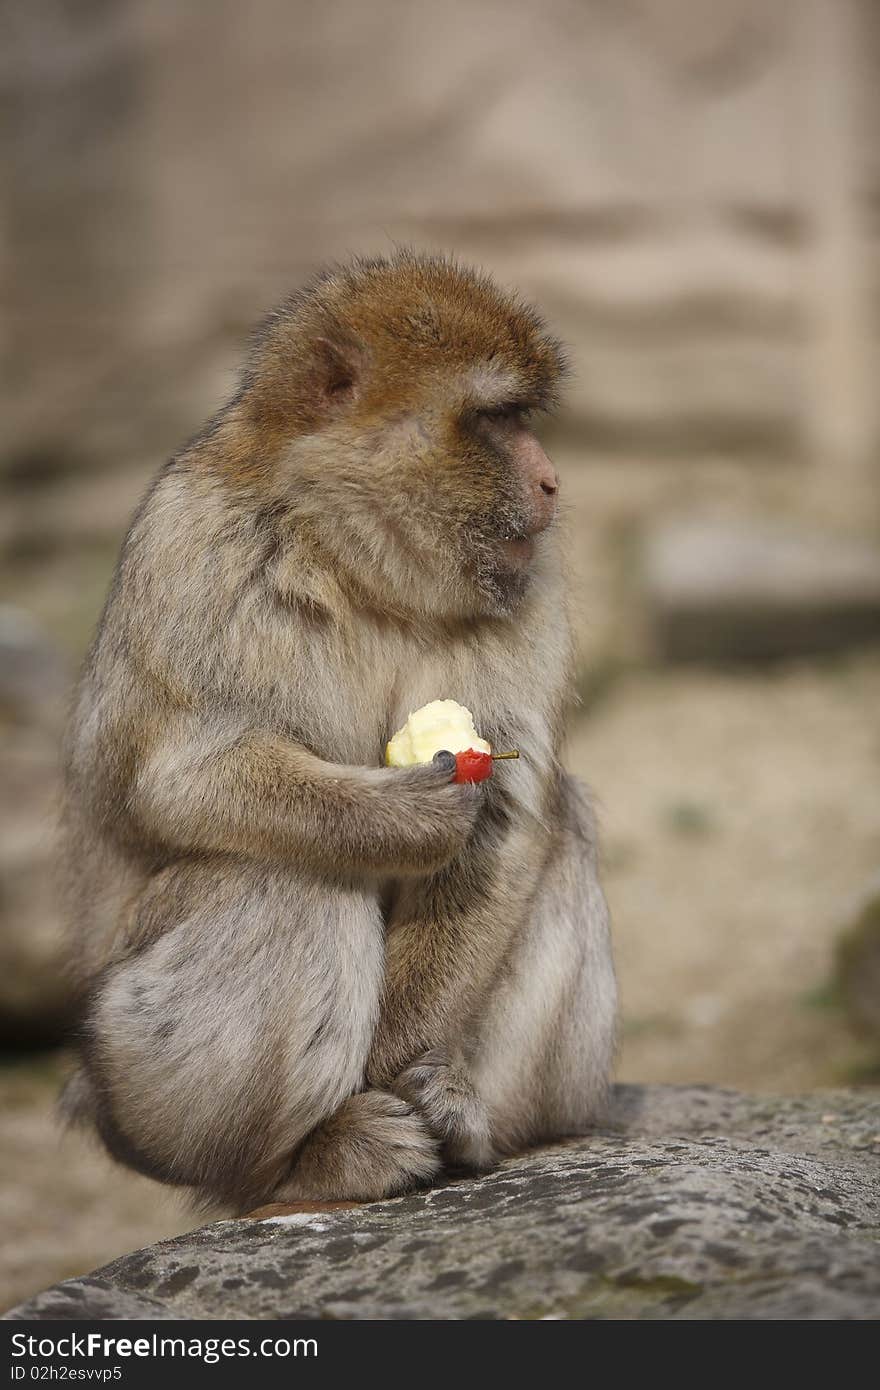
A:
(443, 1093)
(235, 791)
(427, 792)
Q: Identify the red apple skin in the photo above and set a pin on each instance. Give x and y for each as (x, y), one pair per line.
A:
(472, 766)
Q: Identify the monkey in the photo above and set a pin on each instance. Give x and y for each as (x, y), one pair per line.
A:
(307, 976)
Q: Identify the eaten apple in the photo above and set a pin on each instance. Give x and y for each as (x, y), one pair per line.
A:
(444, 726)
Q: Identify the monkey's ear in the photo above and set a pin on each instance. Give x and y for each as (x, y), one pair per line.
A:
(337, 370)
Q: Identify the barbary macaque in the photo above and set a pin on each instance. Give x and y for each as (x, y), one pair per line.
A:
(307, 975)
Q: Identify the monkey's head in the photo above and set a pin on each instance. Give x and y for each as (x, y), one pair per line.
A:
(390, 404)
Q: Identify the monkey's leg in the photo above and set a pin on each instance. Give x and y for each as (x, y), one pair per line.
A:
(238, 1022)
(506, 999)
(448, 938)
(545, 1052)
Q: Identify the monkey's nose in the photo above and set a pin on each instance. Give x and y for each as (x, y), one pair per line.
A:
(541, 482)
(545, 491)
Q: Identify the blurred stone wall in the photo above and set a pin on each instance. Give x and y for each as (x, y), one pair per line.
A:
(688, 189)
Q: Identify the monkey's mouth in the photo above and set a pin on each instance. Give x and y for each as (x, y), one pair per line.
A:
(501, 548)
(518, 550)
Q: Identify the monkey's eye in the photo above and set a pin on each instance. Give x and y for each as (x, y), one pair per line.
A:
(511, 412)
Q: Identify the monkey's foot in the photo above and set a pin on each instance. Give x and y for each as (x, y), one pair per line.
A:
(374, 1146)
(443, 1092)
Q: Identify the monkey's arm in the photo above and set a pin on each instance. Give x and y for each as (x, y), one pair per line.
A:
(447, 937)
(255, 793)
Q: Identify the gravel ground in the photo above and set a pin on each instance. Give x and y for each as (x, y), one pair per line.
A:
(739, 813)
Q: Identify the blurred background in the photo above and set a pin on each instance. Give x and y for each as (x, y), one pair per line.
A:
(691, 192)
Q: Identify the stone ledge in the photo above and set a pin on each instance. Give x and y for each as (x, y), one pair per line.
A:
(689, 1202)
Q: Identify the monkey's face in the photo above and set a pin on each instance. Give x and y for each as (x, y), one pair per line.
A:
(454, 498)
(407, 386)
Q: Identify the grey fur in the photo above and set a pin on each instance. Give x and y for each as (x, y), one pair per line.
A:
(306, 975)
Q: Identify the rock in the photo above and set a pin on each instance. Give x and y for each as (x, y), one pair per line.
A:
(722, 591)
(858, 964)
(689, 1202)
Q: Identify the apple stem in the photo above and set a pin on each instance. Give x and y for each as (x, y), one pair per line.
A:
(497, 756)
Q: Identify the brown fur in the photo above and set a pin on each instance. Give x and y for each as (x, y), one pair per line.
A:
(310, 977)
